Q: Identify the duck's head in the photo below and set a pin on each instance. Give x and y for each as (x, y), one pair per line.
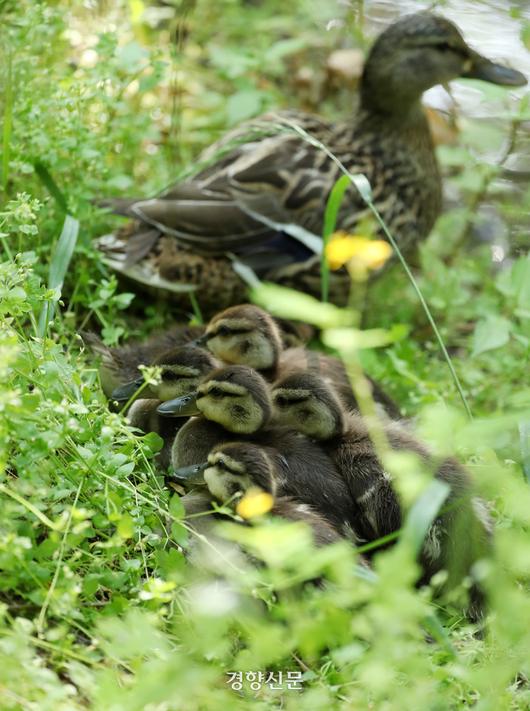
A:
(181, 370)
(244, 335)
(236, 467)
(306, 403)
(418, 52)
(236, 397)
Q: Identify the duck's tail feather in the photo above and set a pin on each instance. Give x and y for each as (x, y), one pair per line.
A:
(119, 206)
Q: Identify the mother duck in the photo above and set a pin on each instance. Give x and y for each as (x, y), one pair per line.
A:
(254, 182)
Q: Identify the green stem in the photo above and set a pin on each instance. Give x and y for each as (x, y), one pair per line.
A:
(8, 119)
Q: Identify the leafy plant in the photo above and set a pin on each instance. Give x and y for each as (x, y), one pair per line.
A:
(99, 606)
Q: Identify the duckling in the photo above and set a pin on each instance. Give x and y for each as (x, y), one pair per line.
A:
(255, 469)
(119, 365)
(234, 467)
(181, 370)
(230, 400)
(235, 397)
(237, 467)
(248, 335)
(254, 181)
(308, 404)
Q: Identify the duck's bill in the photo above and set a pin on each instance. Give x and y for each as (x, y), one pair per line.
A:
(482, 68)
(184, 406)
(125, 392)
(193, 474)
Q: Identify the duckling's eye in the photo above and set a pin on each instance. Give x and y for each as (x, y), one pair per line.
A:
(216, 392)
(221, 464)
(169, 375)
(281, 401)
(223, 331)
(444, 47)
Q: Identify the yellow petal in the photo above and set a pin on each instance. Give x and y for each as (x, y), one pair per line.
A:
(255, 503)
(367, 253)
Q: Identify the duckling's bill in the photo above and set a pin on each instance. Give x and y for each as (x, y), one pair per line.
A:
(479, 67)
(200, 341)
(125, 392)
(192, 474)
(184, 406)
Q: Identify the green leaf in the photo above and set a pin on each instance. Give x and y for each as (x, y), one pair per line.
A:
(125, 526)
(288, 303)
(423, 513)
(179, 534)
(130, 57)
(243, 105)
(490, 333)
(176, 507)
(59, 264)
(352, 339)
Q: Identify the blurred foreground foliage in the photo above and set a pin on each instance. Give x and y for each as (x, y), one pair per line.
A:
(98, 606)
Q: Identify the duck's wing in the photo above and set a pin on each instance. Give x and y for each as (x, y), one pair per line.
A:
(282, 177)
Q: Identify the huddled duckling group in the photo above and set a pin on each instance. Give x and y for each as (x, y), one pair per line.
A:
(242, 406)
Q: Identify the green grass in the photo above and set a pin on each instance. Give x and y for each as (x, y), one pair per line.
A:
(99, 607)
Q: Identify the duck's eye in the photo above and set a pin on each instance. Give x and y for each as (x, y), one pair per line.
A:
(281, 401)
(223, 331)
(444, 47)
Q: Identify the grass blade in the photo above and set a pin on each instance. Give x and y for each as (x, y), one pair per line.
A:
(8, 119)
(524, 435)
(60, 261)
(196, 308)
(50, 184)
(330, 220)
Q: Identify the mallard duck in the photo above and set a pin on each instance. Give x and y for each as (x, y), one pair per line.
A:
(119, 364)
(255, 183)
(248, 335)
(308, 404)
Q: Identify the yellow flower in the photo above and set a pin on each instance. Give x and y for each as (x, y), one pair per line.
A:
(365, 253)
(255, 503)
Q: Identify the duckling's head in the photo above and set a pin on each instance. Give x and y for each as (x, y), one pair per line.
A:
(418, 52)
(307, 404)
(236, 467)
(181, 370)
(236, 397)
(245, 335)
